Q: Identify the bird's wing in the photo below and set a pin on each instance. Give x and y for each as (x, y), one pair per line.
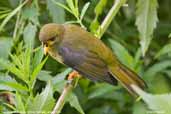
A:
(86, 63)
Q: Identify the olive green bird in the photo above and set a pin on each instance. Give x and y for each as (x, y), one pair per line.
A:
(75, 47)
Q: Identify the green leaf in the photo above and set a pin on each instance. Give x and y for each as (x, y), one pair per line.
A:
(57, 13)
(85, 7)
(5, 47)
(98, 11)
(6, 78)
(29, 34)
(14, 85)
(26, 59)
(73, 7)
(12, 68)
(167, 72)
(161, 82)
(70, 4)
(170, 35)
(37, 70)
(63, 6)
(165, 50)
(14, 3)
(156, 68)
(31, 13)
(43, 102)
(100, 7)
(104, 109)
(139, 108)
(122, 54)
(44, 76)
(14, 12)
(38, 56)
(146, 19)
(94, 26)
(16, 60)
(137, 61)
(73, 101)
(157, 103)
(100, 89)
(59, 80)
(19, 103)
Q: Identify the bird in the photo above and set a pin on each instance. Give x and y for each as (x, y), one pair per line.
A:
(73, 46)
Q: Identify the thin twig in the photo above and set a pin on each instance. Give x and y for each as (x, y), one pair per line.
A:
(61, 101)
(110, 16)
(69, 86)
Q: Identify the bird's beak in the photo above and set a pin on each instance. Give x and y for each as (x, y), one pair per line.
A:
(45, 49)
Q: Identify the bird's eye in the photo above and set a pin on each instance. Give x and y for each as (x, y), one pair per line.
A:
(52, 39)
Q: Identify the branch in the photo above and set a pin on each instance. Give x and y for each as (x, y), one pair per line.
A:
(110, 16)
(61, 101)
(64, 95)
(69, 86)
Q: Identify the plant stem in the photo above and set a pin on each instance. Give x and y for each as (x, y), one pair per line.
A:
(61, 101)
(17, 23)
(108, 19)
(64, 95)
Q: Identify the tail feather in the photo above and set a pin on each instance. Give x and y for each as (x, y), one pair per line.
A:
(127, 78)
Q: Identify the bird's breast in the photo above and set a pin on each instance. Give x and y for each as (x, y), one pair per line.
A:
(56, 56)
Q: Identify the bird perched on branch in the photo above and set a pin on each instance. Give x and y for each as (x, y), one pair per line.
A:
(75, 47)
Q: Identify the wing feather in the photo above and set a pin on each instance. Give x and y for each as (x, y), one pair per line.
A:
(86, 63)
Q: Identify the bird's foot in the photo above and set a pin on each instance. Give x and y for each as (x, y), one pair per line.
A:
(73, 75)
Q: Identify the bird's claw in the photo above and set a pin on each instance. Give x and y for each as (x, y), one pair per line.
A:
(72, 75)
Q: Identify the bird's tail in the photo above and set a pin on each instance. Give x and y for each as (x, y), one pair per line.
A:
(127, 78)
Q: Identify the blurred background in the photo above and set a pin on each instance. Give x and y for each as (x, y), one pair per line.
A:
(138, 35)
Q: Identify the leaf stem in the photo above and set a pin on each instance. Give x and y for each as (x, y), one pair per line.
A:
(109, 17)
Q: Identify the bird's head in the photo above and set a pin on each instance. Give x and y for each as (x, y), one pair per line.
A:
(50, 35)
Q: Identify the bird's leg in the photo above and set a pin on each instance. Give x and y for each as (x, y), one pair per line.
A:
(73, 75)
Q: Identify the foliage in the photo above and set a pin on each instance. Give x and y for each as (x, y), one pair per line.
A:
(30, 82)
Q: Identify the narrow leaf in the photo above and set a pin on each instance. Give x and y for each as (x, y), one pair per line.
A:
(100, 90)
(37, 70)
(5, 47)
(63, 6)
(146, 19)
(156, 68)
(70, 4)
(56, 12)
(38, 56)
(14, 85)
(165, 50)
(29, 34)
(43, 102)
(11, 67)
(170, 35)
(100, 7)
(84, 10)
(122, 53)
(159, 104)
(19, 103)
(73, 101)
(5, 21)
(31, 13)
